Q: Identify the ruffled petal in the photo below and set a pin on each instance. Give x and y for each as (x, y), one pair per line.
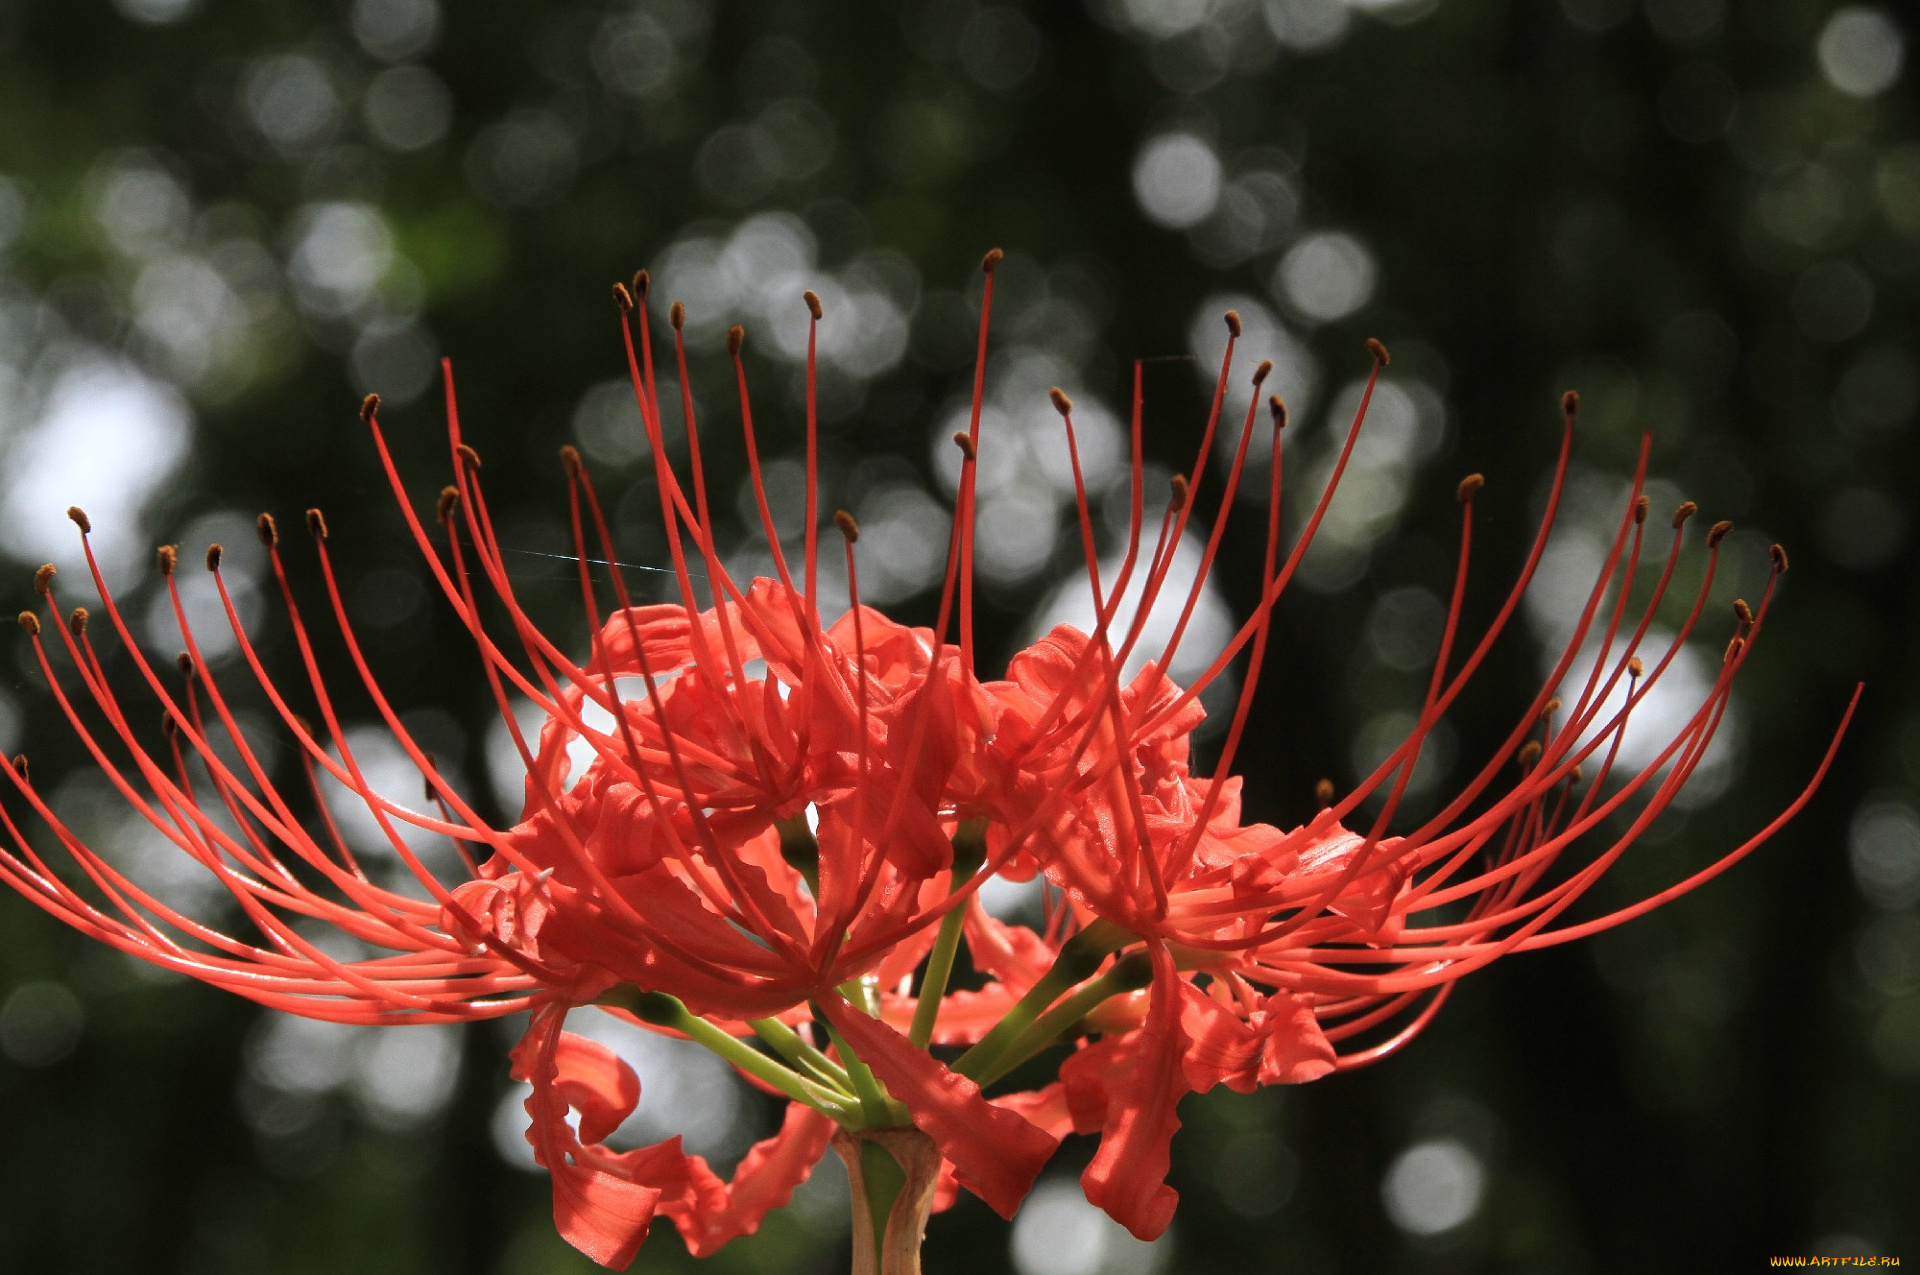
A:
(996, 1153)
(764, 1182)
(595, 1082)
(1128, 1176)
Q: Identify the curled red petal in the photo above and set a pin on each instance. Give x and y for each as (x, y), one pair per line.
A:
(996, 1153)
(1128, 1176)
(595, 1082)
(764, 1182)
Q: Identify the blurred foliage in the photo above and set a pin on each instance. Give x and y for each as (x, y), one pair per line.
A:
(225, 222)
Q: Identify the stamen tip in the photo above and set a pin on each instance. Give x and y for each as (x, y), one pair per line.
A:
(1061, 403)
(1717, 533)
(1734, 648)
(1742, 612)
(168, 556)
(80, 519)
(848, 527)
(1641, 505)
(812, 299)
(1379, 352)
(964, 442)
(1233, 323)
(449, 501)
(1323, 793)
(213, 557)
(1636, 666)
(1778, 556)
(30, 622)
(569, 457)
(267, 529)
(992, 259)
(677, 316)
(1277, 406)
(317, 524)
(20, 765)
(642, 284)
(1686, 510)
(184, 663)
(369, 407)
(77, 621)
(1529, 753)
(1469, 488)
(1570, 404)
(1261, 373)
(735, 336)
(622, 298)
(469, 455)
(43, 579)
(1178, 500)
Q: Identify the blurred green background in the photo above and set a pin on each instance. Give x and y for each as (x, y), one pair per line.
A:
(221, 223)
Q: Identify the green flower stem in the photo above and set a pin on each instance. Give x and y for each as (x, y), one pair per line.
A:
(969, 852)
(883, 1177)
(662, 1010)
(878, 1109)
(1079, 957)
(793, 1047)
(1129, 973)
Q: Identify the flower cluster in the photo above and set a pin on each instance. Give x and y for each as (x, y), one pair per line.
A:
(765, 829)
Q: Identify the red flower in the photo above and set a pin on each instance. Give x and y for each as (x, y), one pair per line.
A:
(753, 828)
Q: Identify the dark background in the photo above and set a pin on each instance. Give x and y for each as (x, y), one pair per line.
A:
(1703, 214)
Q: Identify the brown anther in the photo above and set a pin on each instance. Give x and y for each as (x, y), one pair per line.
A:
(1636, 666)
(369, 407)
(1277, 406)
(184, 663)
(1640, 506)
(1574, 776)
(642, 284)
(1777, 556)
(1551, 707)
(80, 519)
(168, 556)
(1469, 488)
(735, 335)
(812, 299)
(20, 765)
(1733, 650)
(1379, 352)
(449, 501)
(677, 316)
(1061, 403)
(848, 527)
(1529, 753)
(469, 455)
(304, 726)
(30, 622)
(1570, 404)
(1717, 533)
(1686, 510)
(213, 557)
(43, 579)
(267, 529)
(1261, 373)
(1233, 323)
(622, 298)
(1323, 793)
(964, 442)
(1178, 500)
(569, 460)
(316, 524)
(426, 776)
(992, 259)
(167, 724)
(1742, 612)
(77, 621)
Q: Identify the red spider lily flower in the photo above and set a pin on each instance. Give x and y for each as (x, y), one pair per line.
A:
(765, 832)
